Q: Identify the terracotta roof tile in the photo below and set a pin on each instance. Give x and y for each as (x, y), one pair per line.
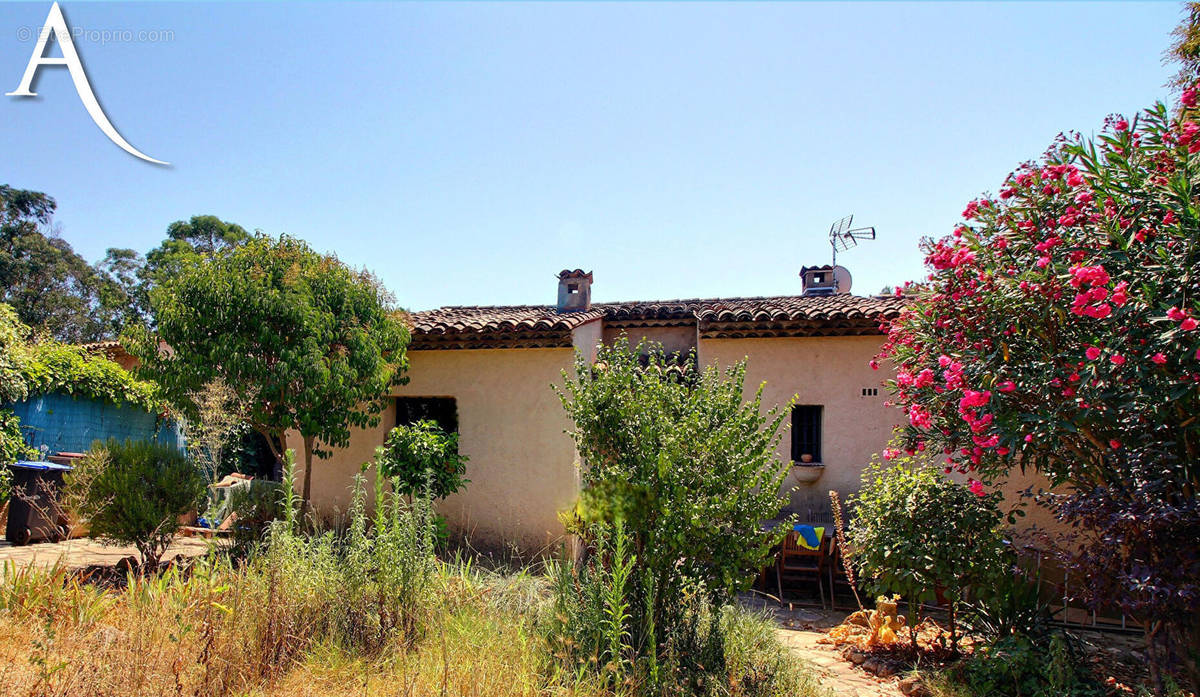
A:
(514, 318)
(545, 318)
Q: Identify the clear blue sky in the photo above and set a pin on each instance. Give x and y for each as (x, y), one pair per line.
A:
(466, 152)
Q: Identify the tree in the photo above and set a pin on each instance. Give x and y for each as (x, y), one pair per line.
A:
(676, 458)
(133, 493)
(1185, 48)
(50, 286)
(121, 295)
(188, 241)
(306, 343)
(422, 459)
(1058, 331)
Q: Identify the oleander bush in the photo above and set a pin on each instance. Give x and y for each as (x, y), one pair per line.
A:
(1059, 331)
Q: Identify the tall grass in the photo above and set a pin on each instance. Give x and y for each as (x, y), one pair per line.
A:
(367, 611)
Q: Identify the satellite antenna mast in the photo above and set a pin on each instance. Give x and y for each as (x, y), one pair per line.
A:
(843, 237)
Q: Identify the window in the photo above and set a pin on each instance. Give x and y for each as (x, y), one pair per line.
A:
(442, 410)
(806, 431)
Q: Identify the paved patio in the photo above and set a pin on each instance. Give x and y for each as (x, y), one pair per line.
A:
(84, 552)
(800, 628)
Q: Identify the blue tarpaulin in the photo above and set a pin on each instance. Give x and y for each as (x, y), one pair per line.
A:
(67, 424)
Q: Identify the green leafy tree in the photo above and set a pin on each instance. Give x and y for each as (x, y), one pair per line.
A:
(679, 460)
(422, 459)
(915, 532)
(50, 286)
(306, 343)
(121, 294)
(188, 241)
(133, 493)
(14, 355)
(1185, 48)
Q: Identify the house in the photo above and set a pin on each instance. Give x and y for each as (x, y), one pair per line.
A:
(487, 372)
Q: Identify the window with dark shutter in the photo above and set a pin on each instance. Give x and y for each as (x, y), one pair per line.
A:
(441, 410)
(806, 431)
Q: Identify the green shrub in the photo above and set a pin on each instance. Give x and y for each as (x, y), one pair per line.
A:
(916, 532)
(133, 493)
(422, 457)
(687, 463)
(1018, 666)
(12, 448)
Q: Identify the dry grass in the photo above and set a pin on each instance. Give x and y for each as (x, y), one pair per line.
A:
(220, 631)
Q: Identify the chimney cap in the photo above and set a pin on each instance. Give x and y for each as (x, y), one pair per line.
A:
(577, 273)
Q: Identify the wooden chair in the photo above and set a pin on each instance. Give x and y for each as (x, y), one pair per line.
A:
(796, 562)
(837, 572)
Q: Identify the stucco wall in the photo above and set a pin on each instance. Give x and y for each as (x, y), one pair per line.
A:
(681, 339)
(832, 372)
(511, 427)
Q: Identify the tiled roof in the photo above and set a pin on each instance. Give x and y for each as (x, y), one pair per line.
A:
(513, 318)
(543, 325)
(800, 308)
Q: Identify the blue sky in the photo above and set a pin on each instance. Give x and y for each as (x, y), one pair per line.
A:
(466, 152)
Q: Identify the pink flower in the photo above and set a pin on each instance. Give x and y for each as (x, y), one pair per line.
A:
(1176, 314)
(1121, 125)
(1120, 294)
(1188, 324)
(1028, 437)
(1074, 178)
(977, 487)
(1117, 359)
(874, 365)
(1092, 353)
(1007, 386)
(1159, 358)
(1114, 444)
(1002, 451)
(1198, 354)
(1188, 97)
(1042, 262)
(890, 453)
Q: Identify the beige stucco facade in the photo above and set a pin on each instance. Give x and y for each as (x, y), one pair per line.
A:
(523, 467)
(521, 464)
(827, 371)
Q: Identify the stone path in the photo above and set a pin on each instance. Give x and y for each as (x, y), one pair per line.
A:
(83, 552)
(800, 628)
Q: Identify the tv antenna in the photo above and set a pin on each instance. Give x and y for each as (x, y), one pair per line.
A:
(843, 237)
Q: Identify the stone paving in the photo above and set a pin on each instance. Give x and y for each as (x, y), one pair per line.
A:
(83, 552)
(801, 627)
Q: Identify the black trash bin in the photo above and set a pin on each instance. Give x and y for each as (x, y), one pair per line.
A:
(34, 512)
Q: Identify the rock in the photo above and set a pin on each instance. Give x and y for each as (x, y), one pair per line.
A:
(884, 669)
(912, 687)
(856, 657)
(871, 666)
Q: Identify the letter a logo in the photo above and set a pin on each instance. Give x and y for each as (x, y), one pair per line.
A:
(56, 25)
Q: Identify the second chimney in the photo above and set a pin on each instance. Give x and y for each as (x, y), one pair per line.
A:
(574, 290)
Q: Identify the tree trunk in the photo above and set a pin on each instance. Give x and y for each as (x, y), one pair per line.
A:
(308, 457)
(1173, 648)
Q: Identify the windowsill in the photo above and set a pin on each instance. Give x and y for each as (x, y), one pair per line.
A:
(797, 463)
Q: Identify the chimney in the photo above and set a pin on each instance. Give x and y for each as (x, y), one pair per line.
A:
(824, 280)
(574, 290)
